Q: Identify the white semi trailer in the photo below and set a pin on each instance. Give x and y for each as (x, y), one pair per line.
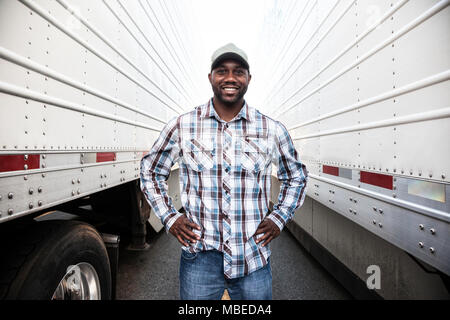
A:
(363, 87)
(84, 91)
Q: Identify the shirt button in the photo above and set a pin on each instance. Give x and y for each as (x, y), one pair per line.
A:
(227, 170)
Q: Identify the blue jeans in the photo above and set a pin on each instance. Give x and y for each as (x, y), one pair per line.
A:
(201, 278)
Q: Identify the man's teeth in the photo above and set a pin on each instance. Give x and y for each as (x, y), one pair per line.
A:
(230, 89)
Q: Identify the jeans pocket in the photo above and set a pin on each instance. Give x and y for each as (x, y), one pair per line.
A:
(189, 256)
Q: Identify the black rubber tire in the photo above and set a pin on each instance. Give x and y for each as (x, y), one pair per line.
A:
(43, 255)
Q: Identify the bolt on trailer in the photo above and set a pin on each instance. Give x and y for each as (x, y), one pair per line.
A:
(82, 99)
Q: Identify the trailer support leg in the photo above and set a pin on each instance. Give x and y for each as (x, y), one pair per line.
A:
(139, 216)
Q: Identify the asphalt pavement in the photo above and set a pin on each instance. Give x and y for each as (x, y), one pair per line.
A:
(153, 274)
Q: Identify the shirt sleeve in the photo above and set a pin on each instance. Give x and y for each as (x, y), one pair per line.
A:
(155, 170)
(293, 176)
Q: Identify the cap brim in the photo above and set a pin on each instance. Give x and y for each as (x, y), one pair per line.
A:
(229, 56)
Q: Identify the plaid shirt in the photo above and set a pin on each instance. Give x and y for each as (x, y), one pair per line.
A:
(225, 181)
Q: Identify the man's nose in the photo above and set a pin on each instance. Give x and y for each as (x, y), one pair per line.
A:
(230, 77)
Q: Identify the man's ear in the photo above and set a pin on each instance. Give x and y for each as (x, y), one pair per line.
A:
(209, 77)
(249, 77)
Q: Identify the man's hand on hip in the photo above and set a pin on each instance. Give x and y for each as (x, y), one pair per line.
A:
(182, 230)
(270, 230)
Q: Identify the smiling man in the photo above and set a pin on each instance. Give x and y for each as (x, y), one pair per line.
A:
(225, 149)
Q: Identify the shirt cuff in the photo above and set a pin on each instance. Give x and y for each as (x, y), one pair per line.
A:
(277, 218)
(170, 219)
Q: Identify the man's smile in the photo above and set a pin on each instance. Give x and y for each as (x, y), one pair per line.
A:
(230, 89)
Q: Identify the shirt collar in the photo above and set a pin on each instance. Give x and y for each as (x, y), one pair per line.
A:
(246, 111)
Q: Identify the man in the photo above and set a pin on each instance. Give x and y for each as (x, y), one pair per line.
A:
(225, 149)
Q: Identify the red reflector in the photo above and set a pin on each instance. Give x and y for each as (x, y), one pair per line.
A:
(376, 179)
(15, 162)
(106, 156)
(330, 170)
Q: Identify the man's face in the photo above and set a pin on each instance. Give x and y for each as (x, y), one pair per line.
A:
(229, 81)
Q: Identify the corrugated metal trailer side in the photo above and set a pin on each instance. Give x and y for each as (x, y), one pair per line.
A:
(84, 94)
(85, 88)
(364, 90)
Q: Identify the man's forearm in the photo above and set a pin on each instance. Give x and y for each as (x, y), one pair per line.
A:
(155, 171)
(155, 190)
(291, 197)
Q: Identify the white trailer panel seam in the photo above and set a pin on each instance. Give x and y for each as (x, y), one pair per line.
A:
(429, 81)
(418, 117)
(29, 64)
(33, 95)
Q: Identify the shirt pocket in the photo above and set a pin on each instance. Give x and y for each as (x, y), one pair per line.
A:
(199, 154)
(254, 153)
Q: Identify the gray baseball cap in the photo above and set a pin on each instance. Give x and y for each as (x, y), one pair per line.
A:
(229, 51)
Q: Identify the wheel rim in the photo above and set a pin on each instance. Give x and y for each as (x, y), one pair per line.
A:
(79, 283)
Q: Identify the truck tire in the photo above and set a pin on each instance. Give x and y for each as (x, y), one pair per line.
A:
(68, 255)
